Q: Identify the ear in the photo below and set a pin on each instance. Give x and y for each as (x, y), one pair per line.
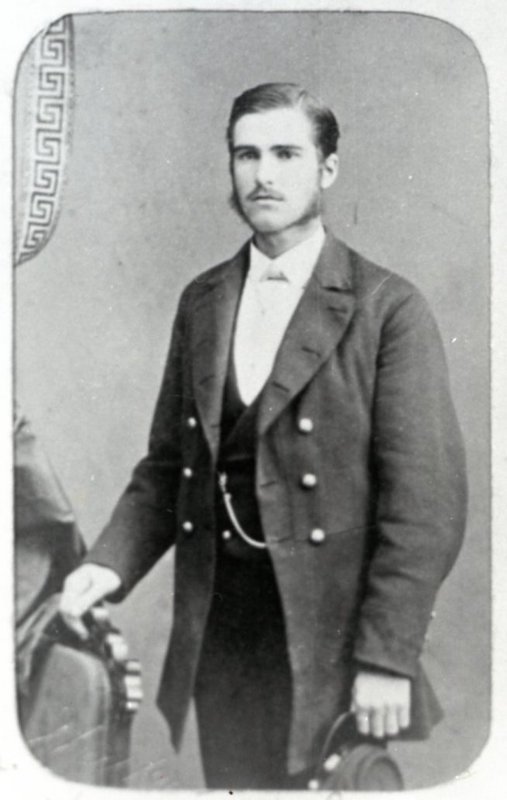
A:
(329, 171)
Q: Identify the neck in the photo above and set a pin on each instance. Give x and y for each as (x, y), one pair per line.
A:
(274, 244)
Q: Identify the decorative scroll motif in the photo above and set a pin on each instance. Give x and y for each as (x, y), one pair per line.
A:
(46, 149)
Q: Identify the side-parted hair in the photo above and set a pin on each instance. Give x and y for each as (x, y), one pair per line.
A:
(268, 96)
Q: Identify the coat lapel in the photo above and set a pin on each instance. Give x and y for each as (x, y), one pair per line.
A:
(318, 324)
(213, 320)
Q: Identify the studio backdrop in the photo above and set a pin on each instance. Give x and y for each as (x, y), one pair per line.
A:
(139, 206)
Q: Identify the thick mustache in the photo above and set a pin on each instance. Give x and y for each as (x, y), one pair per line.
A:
(264, 194)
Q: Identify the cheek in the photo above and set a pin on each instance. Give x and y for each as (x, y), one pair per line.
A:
(301, 187)
(242, 178)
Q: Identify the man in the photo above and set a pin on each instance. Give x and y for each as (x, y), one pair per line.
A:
(306, 460)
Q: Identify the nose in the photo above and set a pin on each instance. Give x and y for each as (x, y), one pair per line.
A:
(265, 171)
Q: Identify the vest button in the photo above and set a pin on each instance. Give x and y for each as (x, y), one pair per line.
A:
(226, 535)
(317, 536)
(188, 526)
(192, 422)
(309, 480)
(188, 472)
(305, 425)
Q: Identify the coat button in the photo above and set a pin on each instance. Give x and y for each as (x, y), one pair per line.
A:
(317, 536)
(305, 425)
(192, 422)
(188, 526)
(309, 480)
(226, 535)
(188, 472)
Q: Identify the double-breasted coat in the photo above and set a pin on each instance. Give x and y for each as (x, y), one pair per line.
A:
(358, 397)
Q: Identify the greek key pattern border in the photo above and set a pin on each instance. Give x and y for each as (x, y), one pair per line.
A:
(50, 137)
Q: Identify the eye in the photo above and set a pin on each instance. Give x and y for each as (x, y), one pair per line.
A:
(286, 154)
(245, 155)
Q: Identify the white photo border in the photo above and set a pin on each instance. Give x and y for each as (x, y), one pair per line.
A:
(485, 23)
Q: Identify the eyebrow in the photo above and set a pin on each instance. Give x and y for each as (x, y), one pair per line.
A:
(275, 147)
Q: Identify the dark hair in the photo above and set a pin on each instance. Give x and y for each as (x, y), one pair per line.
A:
(268, 96)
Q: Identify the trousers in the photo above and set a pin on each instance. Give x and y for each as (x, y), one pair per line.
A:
(243, 687)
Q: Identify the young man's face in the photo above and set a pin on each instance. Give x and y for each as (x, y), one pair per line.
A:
(277, 171)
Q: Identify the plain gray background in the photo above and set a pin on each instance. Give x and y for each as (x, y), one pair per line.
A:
(145, 210)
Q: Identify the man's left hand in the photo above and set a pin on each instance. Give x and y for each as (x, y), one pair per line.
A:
(381, 703)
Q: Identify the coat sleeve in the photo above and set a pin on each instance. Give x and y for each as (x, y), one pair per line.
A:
(142, 526)
(418, 465)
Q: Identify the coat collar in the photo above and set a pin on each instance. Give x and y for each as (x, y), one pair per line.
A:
(317, 326)
(213, 315)
(333, 269)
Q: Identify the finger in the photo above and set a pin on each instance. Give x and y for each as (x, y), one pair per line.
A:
(76, 604)
(404, 716)
(363, 721)
(73, 606)
(392, 724)
(377, 723)
(76, 625)
(94, 594)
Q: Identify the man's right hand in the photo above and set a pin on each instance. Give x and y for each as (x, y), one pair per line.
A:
(83, 588)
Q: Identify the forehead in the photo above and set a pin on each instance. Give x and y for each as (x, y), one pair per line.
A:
(289, 126)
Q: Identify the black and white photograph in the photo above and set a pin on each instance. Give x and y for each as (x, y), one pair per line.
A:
(251, 392)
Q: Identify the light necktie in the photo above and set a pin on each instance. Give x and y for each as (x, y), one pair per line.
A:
(274, 273)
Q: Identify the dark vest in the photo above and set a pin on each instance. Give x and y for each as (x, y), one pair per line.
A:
(236, 457)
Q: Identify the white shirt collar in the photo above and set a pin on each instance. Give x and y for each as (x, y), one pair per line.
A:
(297, 263)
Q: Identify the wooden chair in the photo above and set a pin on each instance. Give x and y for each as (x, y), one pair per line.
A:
(78, 714)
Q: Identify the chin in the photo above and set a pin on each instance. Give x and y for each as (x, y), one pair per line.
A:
(265, 223)
(265, 226)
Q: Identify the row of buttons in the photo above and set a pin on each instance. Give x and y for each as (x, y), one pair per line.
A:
(305, 424)
(188, 473)
(317, 535)
(308, 480)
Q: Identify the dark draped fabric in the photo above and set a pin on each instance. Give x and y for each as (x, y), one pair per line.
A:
(48, 545)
